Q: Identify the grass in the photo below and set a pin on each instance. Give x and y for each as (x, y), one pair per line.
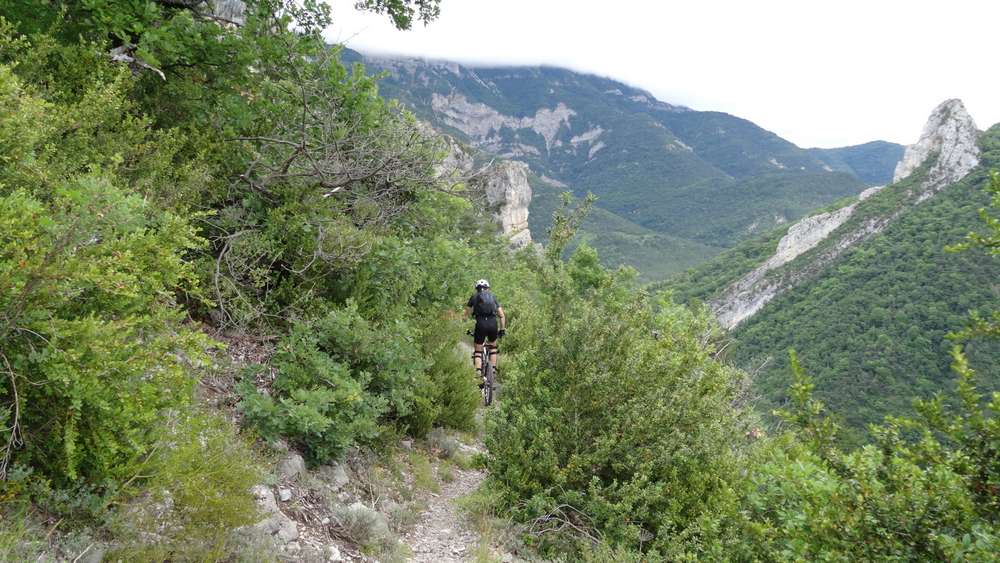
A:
(403, 516)
(22, 537)
(480, 509)
(423, 473)
(446, 473)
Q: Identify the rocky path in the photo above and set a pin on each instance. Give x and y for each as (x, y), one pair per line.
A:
(443, 534)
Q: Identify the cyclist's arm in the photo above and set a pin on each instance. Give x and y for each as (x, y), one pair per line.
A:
(503, 318)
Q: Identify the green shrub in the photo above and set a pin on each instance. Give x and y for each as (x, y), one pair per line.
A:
(93, 347)
(342, 381)
(318, 400)
(922, 491)
(197, 494)
(616, 420)
(451, 385)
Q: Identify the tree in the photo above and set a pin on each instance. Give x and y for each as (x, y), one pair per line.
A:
(402, 12)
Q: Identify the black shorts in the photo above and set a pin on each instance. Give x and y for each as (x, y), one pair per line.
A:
(486, 329)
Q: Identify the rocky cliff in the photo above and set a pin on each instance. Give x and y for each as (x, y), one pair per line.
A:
(509, 195)
(504, 184)
(228, 11)
(950, 137)
(950, 133)
(484, 124)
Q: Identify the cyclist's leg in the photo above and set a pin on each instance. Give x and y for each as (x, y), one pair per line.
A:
(476, 356)
(492, 333)
(478, 338)
(493, 350)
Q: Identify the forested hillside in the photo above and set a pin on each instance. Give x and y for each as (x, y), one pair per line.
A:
(872, 325)
(704, 180)
(872, 162)
(222, 251)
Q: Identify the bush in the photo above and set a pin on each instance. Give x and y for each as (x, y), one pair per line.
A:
(93, 345)
(198, 493)
(616, 421)
(917, 493)
(342, 381)
(363, 526)
(318, 400)
(451, 386)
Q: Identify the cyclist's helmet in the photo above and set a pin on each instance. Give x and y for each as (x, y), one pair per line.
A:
(482, 284)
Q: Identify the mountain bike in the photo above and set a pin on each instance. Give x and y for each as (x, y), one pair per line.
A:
(487, 372)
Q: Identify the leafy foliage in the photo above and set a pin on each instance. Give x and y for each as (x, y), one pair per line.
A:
(611, 413)
(93, 347)
(158, 169)
(919, 492)
(264, 185)
(402, 12)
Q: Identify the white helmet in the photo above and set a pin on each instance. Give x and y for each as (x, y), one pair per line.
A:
(482, 283)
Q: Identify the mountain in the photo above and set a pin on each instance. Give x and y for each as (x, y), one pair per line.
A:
(872, 162)
(675, 186)
(866, 292)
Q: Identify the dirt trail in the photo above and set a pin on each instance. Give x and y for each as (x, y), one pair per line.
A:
(443, 534)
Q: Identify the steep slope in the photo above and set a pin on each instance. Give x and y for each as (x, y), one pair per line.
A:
(872, 162)
(946, 152)
(703, 180)
(655, 255)
(865, 292)
(871, 327)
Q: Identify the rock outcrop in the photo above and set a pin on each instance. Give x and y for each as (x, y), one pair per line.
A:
(275, 522)
(482, 123)
(950, 134)
(504, 183)
(230, 12)
(457, 162)
(751, 292)
(508, 193)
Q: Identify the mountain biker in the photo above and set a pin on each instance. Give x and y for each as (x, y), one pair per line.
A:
(485, 308)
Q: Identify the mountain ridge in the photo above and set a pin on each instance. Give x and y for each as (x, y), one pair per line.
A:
(704, 180)
(865, 291)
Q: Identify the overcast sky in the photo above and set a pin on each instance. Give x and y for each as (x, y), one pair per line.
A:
(818, 73)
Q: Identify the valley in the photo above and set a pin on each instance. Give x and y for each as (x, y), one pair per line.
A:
(675, 186)
(235, 258)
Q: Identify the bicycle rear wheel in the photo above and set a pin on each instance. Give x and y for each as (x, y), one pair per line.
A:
(488, 377)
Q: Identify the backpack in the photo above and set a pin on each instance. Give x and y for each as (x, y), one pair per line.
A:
(486, 304)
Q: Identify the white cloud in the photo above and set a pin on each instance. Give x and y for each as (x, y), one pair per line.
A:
(816, 73)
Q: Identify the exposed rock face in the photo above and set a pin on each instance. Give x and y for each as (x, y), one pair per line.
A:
(508, 192)
(230, 11)
(275, 523)
(458, 161)
(480, 121)
(807, 233)
(950, 132)
(749, 295)
(504, 182)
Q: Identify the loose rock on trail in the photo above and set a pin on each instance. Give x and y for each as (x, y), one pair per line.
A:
(443, 534)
